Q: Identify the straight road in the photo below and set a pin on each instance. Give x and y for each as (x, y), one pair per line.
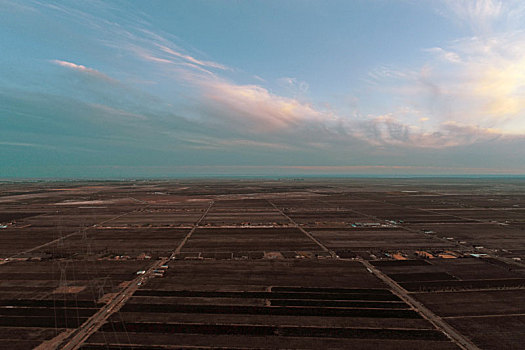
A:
(438, 322)
(82, 333)
(321, 245)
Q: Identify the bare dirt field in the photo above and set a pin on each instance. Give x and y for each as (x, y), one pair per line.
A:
(263, 264)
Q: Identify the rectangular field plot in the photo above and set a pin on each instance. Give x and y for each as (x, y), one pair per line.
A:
(39, 300)
(474, 303)
(299, 303)
(115, 340)
(359, 239)
(248, 212)
(493, 236)
(258, 275)
(486, 214)
(158, 218)
(318, 213)
(21, 338)
(131, 242)
(248, 239)
(64, 280)
(245, 217)
(17, 240)
(450, 275)
(407, 215)
(496, 332)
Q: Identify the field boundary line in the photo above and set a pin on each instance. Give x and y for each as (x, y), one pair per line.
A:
(440, 324)
(307, 234)
(181, 244)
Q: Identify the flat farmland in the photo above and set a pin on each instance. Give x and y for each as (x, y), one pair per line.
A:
(494, 237)
(452, 274)
(102, 241)
(328, 218)
(263, 264)
(492, 332)
(248, 239)
(41, 300)
(245, 212)
(475, 303)
(44, 280)
(159, 217)
(486, 215)
(387, 238)
(244, 217)
(303, 303)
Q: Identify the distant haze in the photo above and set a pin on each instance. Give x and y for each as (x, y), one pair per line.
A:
(107, 89)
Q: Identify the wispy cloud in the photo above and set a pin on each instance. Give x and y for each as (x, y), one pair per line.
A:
(479, 14)
(468, 91)
(294, 84)
(83, 69)
(12, 6)
(190, 59)
(132, 86)
(445, 55)
(207, 142)
(484, 83)
(25, 144)
(255, 110)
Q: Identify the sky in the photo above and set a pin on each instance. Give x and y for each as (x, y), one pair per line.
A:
(124, 89)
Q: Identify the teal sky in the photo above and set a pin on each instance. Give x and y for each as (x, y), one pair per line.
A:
(181, 88)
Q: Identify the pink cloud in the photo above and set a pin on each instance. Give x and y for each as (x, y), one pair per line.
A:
(255, 106)
(83, 69)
